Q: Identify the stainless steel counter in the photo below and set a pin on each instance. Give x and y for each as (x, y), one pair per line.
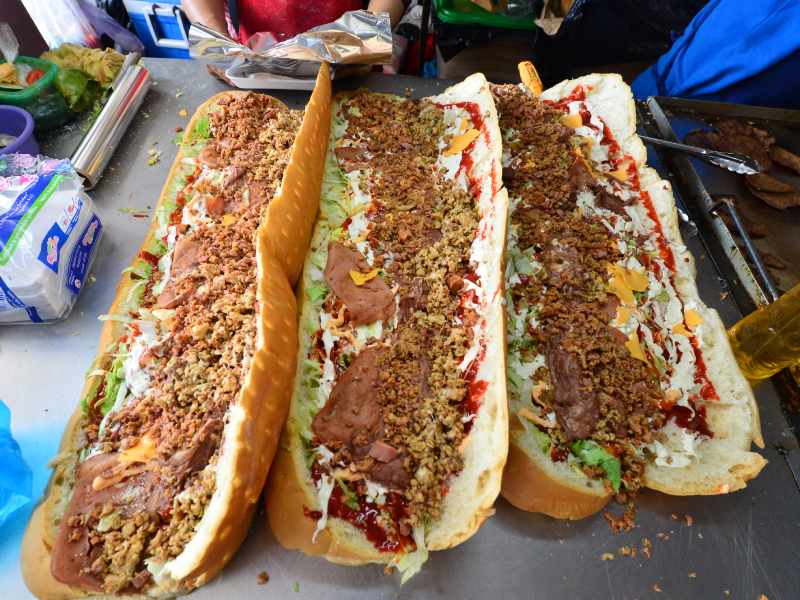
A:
(738, 546)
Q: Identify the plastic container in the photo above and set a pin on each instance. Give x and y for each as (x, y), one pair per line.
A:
(161, 26)
(464, 12)
(768, 339)
(30, 94)
(41, 99)
(19, 123)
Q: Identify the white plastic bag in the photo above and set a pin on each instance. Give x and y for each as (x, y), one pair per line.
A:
(49, 233)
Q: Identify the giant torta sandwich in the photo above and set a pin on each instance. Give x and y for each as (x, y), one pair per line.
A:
(619, 376)
(397, 433)
(162, 464)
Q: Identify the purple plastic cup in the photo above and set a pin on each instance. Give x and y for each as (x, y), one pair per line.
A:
(19, 123)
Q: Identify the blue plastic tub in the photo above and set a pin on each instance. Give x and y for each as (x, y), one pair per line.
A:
(19, 123)
(162, 27)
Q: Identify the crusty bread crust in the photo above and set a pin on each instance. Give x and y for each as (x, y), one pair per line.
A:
(251, 435)
(472, 493)
(725, 463)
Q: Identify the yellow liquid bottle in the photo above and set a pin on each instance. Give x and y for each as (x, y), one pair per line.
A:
(768, 340)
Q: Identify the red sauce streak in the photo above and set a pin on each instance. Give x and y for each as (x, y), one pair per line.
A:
(346, 222)
(578, 94)
(312, 514)
(148, 257)
(466, 160)
(707, 391)
(558, 454)
(691, 419)
(366, 518)
(476, 388)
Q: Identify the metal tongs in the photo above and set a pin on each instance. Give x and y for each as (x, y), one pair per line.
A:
(738, 163)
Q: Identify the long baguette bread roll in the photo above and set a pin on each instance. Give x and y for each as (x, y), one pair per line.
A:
(619, 375)
(161, 466)
(397, 435)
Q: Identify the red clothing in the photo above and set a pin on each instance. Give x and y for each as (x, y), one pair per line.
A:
(287, 18)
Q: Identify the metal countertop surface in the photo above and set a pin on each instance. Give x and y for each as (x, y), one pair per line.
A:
(739, 545)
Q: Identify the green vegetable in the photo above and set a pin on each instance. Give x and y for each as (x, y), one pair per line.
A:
(540, 437)
(662, 296)
(202, 130)
(316, 293)
(349, 496)
(114, 379)
(78, 90)
(296, 587)
(178, 139)
(592, 455)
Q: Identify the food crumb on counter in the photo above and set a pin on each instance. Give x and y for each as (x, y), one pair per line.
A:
(178, 129)
(674, 517)
(92, 278)
(296, 587)
(688, 519)
(656, 588)
(179, 93)
(692, 575)
(183, 112)
(763, 597)
(700, 536)
(262, 578)
(647, 547)
(607, 556)
(727, 593)
(153, 156)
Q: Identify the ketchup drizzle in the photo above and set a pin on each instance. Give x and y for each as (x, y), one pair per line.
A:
(692, 418)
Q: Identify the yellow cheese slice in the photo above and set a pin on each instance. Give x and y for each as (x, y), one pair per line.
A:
(692, 318)
(619, 174)
(142, 452)
(228, 220)
(680, 329)
(623, 314)
(573, 121)
(634, 347)
(360, 278)
(461, 142)
(624, 282)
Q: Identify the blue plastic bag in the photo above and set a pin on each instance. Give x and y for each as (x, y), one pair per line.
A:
(16, 484)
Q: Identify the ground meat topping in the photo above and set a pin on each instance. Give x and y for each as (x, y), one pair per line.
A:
(150, 507)
(421, 227)
(590, 381)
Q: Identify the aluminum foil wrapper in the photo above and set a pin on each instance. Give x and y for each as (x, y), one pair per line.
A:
(357, 37)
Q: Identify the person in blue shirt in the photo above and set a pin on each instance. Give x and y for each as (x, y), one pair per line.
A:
(733, 51)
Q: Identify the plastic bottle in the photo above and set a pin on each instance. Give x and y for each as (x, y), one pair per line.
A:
(15, 476)
(768, 339)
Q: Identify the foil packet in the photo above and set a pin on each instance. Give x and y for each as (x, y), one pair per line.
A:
(358, 37)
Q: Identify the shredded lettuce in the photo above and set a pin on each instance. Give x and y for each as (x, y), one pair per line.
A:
(410, 563)
(349, 497)
(315, 293)
(202, 129)
(592, 455)
(114, 379)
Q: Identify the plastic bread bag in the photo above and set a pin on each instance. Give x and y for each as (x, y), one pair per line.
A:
(49, 233)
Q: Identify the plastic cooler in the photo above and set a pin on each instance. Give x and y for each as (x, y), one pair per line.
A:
(464, 12)
(162, 27)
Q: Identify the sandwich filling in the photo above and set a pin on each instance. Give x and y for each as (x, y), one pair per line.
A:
(393, 333)
(156, 413)
(605, 370)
